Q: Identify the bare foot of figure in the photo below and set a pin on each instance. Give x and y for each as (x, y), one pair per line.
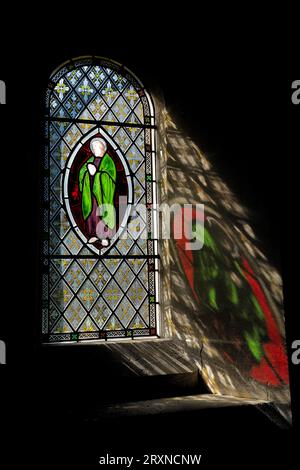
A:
(93, 240)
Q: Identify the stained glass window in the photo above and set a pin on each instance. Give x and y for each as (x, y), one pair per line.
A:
(100, 270)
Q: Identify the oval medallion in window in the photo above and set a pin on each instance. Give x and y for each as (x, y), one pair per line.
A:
(97, 191)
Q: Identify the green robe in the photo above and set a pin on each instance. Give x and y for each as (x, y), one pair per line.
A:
(103, 188)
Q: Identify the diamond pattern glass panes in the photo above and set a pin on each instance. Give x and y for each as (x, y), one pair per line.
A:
(62, 326)
(73, 105)
(125, 312)
(124, 244)
(100, 276)
(72, 136)
(60, 154)
(122, 139)
(139, 191)
(109, 93)
(61, 126)
(136, 293)
(97, 76)
(100, 314)
(62, 89)
(113, 324)
(60, 223)
(119, 81)
(54, 276)
(121, 109)
(144, 312)
(133, 132)
(110, 117)
(132, 119)
(137, 322)
(53, 315)
(140, 174)
(74, 77)
(124, 276)
(85, 90)
(134, 157)
(110, 129)
(75, 276)
(72, 243)
(88, 294)
(75, 314)
(61, 264)
(54, 105)
(139, 111)
(110, 296)
(140, 142)
(136, 264)
(88, 325)
(131, 96)
(54, 136)
(98, 108)
(61, 295)
(87, 264)
(56, 190)
(54, 170)
(112, 264)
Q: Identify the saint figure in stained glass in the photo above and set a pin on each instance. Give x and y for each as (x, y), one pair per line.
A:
(97, 182)
(96, 187)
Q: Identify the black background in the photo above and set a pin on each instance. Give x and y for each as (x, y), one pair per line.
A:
(233, 97)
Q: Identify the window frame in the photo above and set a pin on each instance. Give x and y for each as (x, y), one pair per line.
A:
(149, 125)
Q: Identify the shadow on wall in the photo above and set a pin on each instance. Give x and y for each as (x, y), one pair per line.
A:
(225, 300)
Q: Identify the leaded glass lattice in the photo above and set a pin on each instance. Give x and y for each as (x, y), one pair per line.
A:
(92, 290)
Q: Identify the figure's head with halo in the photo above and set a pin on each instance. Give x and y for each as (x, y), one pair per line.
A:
(98, 147)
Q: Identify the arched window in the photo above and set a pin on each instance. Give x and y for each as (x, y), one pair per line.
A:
(100, 267)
